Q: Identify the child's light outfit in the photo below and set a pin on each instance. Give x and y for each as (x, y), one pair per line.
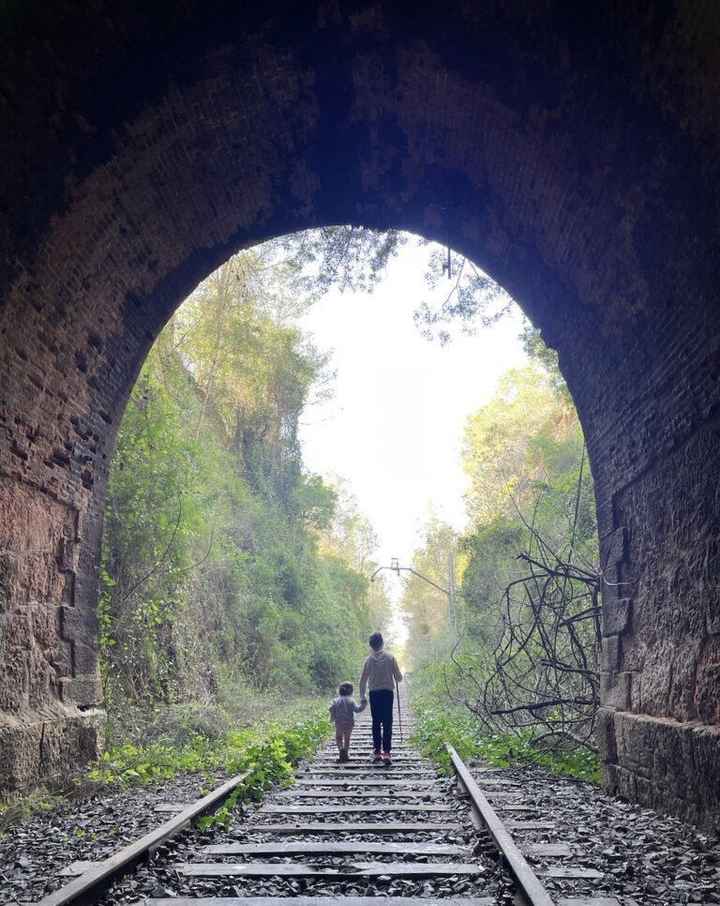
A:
(342, 712)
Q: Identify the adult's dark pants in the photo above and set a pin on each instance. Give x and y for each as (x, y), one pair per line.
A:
(381, 708)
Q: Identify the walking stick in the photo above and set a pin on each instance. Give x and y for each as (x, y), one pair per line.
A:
(397, 688)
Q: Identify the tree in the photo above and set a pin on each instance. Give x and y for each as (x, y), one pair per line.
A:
(426, 607)
(220, 551)
(525, 436)
(527, 656)
(473, 299)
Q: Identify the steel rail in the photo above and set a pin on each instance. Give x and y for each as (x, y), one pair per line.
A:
(92, 884)
(531, 888)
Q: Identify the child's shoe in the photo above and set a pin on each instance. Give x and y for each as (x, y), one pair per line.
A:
(386, 759)
(344, 757)
(378, 759)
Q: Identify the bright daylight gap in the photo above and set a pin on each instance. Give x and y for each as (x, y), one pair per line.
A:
(394, 426)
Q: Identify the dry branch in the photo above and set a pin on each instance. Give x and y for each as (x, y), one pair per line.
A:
(543, 669)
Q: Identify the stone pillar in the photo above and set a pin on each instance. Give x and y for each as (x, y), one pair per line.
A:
(54, 447)
(659, 728)
(50, 720)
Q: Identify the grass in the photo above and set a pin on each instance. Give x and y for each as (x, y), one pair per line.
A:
(435, 726)
(236, 706)
(267, 754)
(234, 752)
(265, 735)
(16, 807)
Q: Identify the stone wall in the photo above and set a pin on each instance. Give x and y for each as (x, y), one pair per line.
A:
(573, 157)
(671, 766)
(660, 730)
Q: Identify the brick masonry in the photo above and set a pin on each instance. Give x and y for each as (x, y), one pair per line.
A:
(573, 157)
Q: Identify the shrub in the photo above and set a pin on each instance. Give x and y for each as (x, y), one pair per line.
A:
(436, 726)
(268, 753)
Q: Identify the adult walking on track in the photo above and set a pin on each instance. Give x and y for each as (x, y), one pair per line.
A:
(380, 673)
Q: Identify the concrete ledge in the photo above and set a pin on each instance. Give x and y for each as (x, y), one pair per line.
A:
(670, 766)
(47, 748)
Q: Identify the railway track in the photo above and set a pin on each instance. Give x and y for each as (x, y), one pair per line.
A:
(344, 834)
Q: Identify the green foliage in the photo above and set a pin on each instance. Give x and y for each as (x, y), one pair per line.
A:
(472, 298)
(267, 752)
(345, 257)
(535, 347)
(530, 492)
(271, 762)
(16, 807)
(219, 563)
(524, 452)
(425, 605)
(437, 725)
(520, 440)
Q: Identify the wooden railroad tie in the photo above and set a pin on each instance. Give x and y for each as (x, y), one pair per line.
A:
(349, 809)
(351, 828)
(340, 873)
(329, 847)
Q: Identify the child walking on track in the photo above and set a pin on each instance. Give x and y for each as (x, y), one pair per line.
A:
(343, 711)
(379, 673)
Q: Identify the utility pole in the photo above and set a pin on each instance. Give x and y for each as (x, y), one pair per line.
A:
(449, 591)
(452, 621)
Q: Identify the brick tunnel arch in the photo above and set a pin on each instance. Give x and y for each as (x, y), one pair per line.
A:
(574, 158)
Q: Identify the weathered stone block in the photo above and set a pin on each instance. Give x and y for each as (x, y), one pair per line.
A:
(7, 573)
(610, 654)
(62, 658)
(607, 746)
(67, 555)
(85, 659)
(620, 782)
(616, 615)
(613, 547)
(657, 761)
(634, 743)
(636, 693)
(615, 690)
(13, 686)
(77, 625)
(687, 660)
(41, 676)
(82, 691)
(713, 608)
(55, 747)
(44, 629)
(707, 683)
(39, 523)
(658, 665)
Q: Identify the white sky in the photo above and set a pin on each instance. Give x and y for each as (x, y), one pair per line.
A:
(394, 428)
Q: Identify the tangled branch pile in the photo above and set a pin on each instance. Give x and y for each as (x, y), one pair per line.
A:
(543, 671)
(527, 658)
(545, 663)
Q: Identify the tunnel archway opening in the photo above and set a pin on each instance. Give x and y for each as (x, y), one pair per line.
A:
(211, 417)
